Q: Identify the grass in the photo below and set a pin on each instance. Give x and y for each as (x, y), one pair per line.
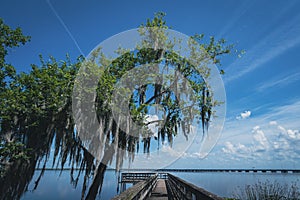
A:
(268, 191)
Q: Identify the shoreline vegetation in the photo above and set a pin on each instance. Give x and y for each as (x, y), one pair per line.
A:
(267, 190)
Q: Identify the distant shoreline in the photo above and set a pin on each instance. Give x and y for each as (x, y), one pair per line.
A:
(269, 171)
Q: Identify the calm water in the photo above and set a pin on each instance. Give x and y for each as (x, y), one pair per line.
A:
(55, 186)
(225, 184)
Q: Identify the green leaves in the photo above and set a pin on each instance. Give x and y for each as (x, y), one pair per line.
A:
(39, 94)
(9, 91)
(9, 38)
(30, 99)
(12, 151)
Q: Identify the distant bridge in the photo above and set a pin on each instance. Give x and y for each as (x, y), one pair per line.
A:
(160, 186)
(253, 170)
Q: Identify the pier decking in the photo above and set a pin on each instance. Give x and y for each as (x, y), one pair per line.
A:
(159, 192)
(161, 186)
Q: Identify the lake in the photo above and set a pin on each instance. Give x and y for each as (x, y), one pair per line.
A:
(56, 184)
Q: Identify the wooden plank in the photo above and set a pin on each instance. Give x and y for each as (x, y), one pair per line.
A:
(139, 190)
(160, 191)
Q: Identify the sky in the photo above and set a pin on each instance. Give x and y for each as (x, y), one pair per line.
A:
(261, 129)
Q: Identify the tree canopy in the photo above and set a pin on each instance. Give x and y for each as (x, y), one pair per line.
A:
(153, 74)
(41, 107)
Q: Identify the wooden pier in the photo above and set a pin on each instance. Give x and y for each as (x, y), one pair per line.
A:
(160, 191)
(161, 186)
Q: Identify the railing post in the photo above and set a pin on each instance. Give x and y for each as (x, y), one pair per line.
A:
(141, 189)
(188, 194)
(123, 187)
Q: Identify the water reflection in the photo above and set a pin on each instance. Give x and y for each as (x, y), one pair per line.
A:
(55, 185)
(66, 148)
(226, 184)
(54, 146)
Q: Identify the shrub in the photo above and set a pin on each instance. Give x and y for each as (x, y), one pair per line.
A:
(269, 191)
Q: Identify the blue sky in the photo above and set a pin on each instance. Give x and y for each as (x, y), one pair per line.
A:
(262, 87)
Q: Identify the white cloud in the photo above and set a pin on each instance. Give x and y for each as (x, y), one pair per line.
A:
(172, 152)
(229, 148)
(237, 151)
(271, 139)
(293, 133)
(259, 136)
(244, 115)
(252, 149)
(152, 126)
(289, 133)
(268, 140)
(273, 143)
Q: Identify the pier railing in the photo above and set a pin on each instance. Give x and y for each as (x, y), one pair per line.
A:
(135, 177)
(181, 189)
(140, 190)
